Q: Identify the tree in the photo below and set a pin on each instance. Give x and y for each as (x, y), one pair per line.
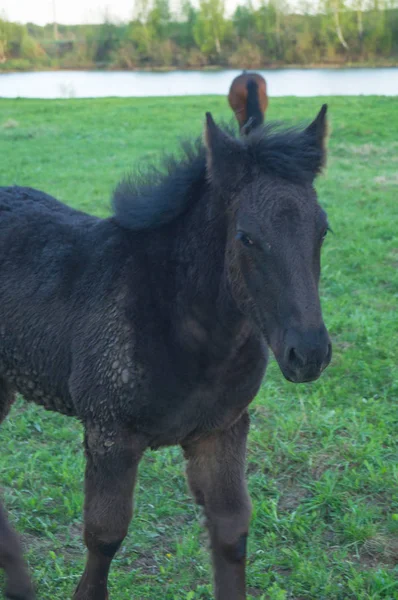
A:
(185, 27)
(158, 19)
(268, 23)
(109, 40)
(244, 21)
(335, 8)
(211, 27)
(15, 42)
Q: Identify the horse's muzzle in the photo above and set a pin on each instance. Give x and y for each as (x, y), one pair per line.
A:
(306, 354)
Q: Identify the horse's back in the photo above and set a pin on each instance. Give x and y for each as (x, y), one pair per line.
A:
(18, 201)
(37, 230)
(238, 94)
(238, 88)
(48, 252)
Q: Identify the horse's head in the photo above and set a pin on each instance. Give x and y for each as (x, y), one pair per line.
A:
(275, 233)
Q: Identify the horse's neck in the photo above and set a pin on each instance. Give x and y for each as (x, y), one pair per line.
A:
(203, 298)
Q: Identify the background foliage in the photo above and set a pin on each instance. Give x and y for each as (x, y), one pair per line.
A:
(200, 35)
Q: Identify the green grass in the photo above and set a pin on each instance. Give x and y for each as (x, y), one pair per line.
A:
(323, 458)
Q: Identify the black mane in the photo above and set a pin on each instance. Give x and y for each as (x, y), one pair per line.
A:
(157, 196)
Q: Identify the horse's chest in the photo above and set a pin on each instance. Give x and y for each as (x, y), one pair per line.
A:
(214, 402)
(221, 401)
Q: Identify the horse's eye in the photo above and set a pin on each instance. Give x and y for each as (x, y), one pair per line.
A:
(324, 234)
(244, 238)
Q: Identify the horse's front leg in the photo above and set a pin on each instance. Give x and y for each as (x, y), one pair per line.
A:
(216, 474)
(112, 462)
(18, 582)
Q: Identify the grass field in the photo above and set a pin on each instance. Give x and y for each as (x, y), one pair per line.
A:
(323, 457)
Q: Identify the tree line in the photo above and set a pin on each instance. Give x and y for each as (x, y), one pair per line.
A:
(271, 33)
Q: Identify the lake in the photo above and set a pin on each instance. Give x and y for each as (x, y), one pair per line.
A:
(281, 82)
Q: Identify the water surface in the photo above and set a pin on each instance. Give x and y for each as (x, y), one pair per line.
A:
(281, 82)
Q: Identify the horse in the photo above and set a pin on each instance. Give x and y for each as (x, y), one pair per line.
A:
(248, 99)
(153, 326)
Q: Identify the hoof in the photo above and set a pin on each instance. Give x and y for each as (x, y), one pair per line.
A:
(90, 593)
(19, 586)
(20, 593)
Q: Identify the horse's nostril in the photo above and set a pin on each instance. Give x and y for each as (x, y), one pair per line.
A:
(329, 353)
(294, 358)
(292, 355)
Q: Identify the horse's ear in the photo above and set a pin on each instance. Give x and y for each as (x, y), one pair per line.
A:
(318, 132)
(318, 128)
(211, 132)
(223, 151)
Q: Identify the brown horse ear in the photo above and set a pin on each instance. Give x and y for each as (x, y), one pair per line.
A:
(318, 131)
(223, 151)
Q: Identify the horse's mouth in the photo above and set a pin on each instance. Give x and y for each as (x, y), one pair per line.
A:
(306, 375)
(302, 380)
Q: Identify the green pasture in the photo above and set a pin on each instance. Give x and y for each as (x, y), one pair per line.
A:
(323, 457)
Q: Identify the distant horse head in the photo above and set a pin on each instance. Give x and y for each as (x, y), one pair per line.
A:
(275, 233)
(249, 100)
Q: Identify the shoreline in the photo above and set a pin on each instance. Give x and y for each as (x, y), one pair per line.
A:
(211, 69)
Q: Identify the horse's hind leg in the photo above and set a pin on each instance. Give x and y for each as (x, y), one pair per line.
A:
(18, 585)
